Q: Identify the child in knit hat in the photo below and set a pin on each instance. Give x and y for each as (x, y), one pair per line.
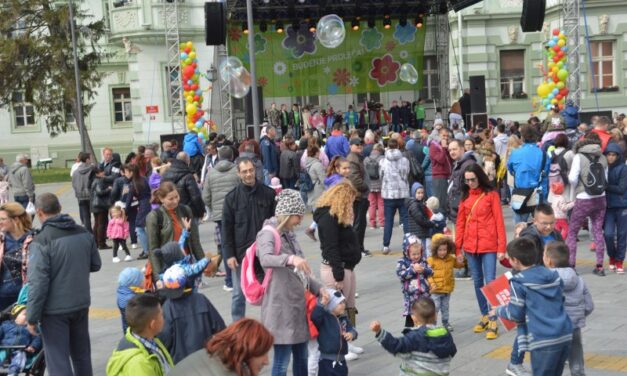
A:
(334, 333)
(412, 269)
(130, 283)
(15, 333)
(438, 219)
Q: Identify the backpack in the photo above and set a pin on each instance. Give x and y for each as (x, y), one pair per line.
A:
(251, 288)
(372, 169)
(594, 182)
(416, 173)
(558, 170)
(304, 181)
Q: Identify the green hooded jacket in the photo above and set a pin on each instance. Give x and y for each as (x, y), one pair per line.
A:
(131, 358)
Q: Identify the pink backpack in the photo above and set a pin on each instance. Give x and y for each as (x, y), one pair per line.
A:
(252, 289)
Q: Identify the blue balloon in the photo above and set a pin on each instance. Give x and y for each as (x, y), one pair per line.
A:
(551, 43)
(550, 96)
(183, 56)
(548, 106)
(556, 91)
(199, 123)
(198, 92)
(190, 82)
(565, 48)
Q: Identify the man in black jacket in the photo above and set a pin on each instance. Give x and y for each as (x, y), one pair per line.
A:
(245, 209)
(181, 174)
(62, 256)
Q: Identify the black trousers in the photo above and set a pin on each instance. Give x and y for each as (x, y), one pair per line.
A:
(116, 245)
(327, 368)
(131, 215)
(360, 209)
(85, 213)
(100, 228)
(66, 340)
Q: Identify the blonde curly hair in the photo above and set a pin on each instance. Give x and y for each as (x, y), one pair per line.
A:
(339, 199)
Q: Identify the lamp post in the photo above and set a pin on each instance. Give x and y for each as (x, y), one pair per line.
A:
(253, 79)
(77, 78)
(212, 77)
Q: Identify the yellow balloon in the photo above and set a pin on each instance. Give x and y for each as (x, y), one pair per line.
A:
(553, 101)
(543, 90)
(561, 36)
(189, 99)
(191, 109)
(551, 65)
(555, 69)
(560, 85)
(190, 126)
(561, 42)
(189, 44)
(551, 85)
(192, 54)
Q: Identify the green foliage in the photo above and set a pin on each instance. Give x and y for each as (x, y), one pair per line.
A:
(36, 57)
(51, 175)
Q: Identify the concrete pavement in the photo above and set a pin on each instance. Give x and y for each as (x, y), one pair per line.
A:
(605, 339)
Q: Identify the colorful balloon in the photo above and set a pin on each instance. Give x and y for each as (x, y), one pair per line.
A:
(330, 31)
(408, 73)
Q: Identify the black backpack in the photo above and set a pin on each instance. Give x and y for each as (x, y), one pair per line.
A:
(372, 169)
(304, 181)
(416, 174)
(595, 182)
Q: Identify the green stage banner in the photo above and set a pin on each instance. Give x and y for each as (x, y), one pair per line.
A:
(294, 63)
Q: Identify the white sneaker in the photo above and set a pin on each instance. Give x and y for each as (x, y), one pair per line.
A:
(355, 349)
(386, 250)
(116, 260)
(128, 258)
(134, 246)
(356, 295)
(227, 288)
(351, 356)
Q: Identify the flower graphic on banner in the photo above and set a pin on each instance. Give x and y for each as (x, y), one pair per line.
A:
(354, 81)
(390, 45)
(332, 89)
(405, 34)
(341, 77)
(260, 44)
(371, 39)
(326, 70)
(384, 70)
(299, 42)
(357, 65)
(235, 34)
(280, 68)
(262, 81)
(404, 54)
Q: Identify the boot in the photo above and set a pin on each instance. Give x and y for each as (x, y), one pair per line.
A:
(493, 330)
(352, 313)
(482, 325)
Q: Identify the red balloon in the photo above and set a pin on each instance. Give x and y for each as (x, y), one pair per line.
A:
(556, 32)
(560, 54)
(558, 96)
(194, 87)
(556, 48)
(561, 106)
(564, 92)
(556, 59)
(194, 65)
(556, 80)
(196, 97)
(188, 50)
(188, 71)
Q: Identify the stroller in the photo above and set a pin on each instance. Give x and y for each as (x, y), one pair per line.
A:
(35, 363)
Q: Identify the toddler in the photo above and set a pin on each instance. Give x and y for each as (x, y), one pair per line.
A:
(413, 272)
(275, 183)
(313, 353)
(437, 218)
(15, 333)
(442, 282)
(334, 333)
(4, 189)
(117, 230)
(560, 207)
(418, 215)
(577, 300)
(424, 349)
(130, 283)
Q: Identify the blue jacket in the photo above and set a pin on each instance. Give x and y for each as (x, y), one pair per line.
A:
(425, 350)
(426, 163)
(191, 145)
(537, 305)
(413, 285)
(616, 191)
(571, 116)
(524, 164)
(12, 334)
(336, 145)
(269, 155)
(331, 343)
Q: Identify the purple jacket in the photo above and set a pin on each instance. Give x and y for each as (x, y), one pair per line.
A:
(332, 180)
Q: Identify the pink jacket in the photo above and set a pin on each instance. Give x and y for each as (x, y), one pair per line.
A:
(561, 207)
(117, 229)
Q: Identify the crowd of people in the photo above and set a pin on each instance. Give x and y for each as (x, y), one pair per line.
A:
(450, 186)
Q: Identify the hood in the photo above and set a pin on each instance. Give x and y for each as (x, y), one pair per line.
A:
(191, 137)
(613, 147)
(414, 188)
(311, 161)
(545, 282)
(61, 221)
(224, 166)
(249, 155)
(469, 155)
(127, 349)
(318, 213)
(332, 180)
(16, 166)
(170, 253)
(569, 277)
(393, 155)
(594, 149)
(84, 169)
(501, 138)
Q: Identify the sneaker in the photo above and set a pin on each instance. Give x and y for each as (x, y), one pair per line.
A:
(599, 271)
(373, 228)
(619, 267)
(449, 327)
(493, 330)
(227, 288)
(462, 275)
(351, 356)
(142, 256)
(355, 349)
(116, 260)
(385, 250)
(356, 295)
(481, 325)
(366, 253)
(128, 258)
(517, 370)
(311, 233)
(134, 246)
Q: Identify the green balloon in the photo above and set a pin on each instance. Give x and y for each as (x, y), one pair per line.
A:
(562, 74)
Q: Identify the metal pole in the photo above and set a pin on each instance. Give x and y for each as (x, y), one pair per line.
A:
(253, 79)
(77, 78)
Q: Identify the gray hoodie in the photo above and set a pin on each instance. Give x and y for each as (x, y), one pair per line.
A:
(21, 181)
(81, 181)
(314, 168)
(577, 299)
(220, 180)
(394, 173)
(500, 144)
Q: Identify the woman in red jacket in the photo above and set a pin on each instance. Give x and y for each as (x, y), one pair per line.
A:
(480, 234)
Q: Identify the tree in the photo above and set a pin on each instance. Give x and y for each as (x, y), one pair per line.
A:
(36, 58)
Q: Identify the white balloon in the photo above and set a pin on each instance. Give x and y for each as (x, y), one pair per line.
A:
(408, 73)
(233, 73)
(330, 31)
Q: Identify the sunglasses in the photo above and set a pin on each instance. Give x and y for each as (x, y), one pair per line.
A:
(470, 180)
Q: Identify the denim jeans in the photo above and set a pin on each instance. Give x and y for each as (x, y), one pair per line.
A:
(142, 237)
(483, 270)
(282, 359)
(390, 206)
(616, 227)
(575, 358)
(85, 213)
(441, 304)
(518, 218)
(131, 216)
(428, 182)
(549, 361)
(517, 357)
(22, 200)
(238, 301)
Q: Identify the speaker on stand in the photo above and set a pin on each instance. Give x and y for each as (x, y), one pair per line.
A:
(215, 24)
(532, 17)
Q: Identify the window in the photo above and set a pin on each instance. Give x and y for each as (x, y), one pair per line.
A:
(311, 101)
(602, 65)
(431, 83)
(23, 110)
(370, 97)
(121, 3)
(122, 105)
(513, 74)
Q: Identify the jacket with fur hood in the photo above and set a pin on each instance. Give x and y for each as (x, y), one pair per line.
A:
(21, 181)
(577, 299)
(417, 216)
(394, 173)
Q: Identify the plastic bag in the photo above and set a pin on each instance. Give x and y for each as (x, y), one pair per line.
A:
(30, 208)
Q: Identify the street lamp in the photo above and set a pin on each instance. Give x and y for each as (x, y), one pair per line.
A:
(212, 74)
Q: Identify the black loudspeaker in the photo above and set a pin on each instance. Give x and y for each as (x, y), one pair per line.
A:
(215, 24)
(532, 15)
(477, 95)
(248, 105)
